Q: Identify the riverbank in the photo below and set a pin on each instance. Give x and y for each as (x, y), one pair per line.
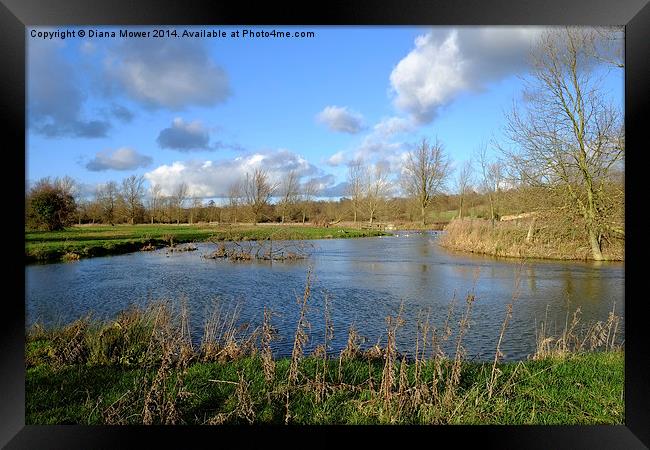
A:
(580, 389)
(516, 240)
(143, 368)
(89, 241)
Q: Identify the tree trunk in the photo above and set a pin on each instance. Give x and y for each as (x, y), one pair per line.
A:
(423, 216)
(529, 236)
(491, 209)
(460, 210)
(595, 246)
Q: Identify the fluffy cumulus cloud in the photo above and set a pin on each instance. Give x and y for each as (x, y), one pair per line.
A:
(214, 178)
(184, 136)
(120, 159)
(341, 119)
(377, 146)
(55, 97)
(393, 125)
(167, 73)
(336, 159)
(446, 62)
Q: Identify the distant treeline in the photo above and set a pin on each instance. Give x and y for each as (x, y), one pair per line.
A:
(560, 160)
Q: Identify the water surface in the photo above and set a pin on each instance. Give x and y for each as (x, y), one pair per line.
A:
(365, 280)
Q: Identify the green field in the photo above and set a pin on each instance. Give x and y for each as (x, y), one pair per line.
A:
(142, 368)
(88, 241)
(580, 389)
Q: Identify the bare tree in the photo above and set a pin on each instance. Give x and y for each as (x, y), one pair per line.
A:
(491, 179)
(70, 187)
(258, 190)
(195, 208)
(424, 174)
(132, 192)
(179, 197)
(107, 197)
(354, 190)
(568, 137)
(155, 198)
(308, 191)
(289, 192)
(376, 191)
(234, 199)
(67, 185)
(464, 181)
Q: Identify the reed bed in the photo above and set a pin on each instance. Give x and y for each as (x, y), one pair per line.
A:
(145, 368)
(518, 239)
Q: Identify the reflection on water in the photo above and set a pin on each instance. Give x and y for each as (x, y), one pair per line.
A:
(366, 280)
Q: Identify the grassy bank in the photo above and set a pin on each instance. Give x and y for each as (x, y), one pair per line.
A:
(513, 239)
(88, 241)
(580, 389)
(143, 368)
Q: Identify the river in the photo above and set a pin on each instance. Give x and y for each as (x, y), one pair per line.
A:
(365, 280)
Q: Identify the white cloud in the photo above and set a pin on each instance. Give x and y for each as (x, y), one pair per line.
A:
(213, 178)
(446, 62)
(393, 125)
(120, 159)
(336, 159)
(167, 73)
(341, 119)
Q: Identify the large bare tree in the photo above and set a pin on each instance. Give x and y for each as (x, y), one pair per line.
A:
(424, 173)
(132, 193)
(258, 190)
(70, 187)
(179, 196)
(308, 191)
(289, 192)
(376, 190)
(464, 181)
(154, 200)
(491, 178)
(354, 189)
(234, 199)
(568, 137)
(107, 196)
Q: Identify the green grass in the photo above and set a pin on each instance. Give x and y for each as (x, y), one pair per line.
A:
(88, 241)
(579, 389)
(141, 368)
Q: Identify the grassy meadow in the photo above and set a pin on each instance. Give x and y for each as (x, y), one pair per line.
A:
(87, 241)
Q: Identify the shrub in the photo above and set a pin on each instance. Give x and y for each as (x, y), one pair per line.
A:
(49, 207)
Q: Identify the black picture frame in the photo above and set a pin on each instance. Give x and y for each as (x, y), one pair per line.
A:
(16, 15)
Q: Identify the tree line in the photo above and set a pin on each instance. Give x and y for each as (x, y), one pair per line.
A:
(561, 159)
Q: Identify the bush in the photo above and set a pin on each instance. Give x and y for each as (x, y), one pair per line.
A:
(49, 207)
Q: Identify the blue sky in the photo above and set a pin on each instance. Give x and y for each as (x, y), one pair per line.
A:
(206, 111)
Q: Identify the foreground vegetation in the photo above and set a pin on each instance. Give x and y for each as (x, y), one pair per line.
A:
(87, 241)
(525, 239)
(144, 368)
